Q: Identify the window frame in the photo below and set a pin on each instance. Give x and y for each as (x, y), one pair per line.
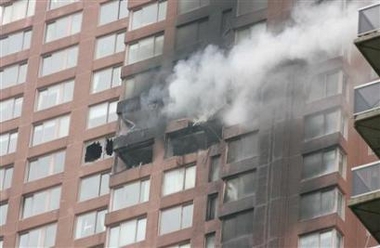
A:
(6, 172)
(103, 179)
(109, 117)
(25, 43)
(141, 183)
(181, 224)
(115, 46)
(41, 233)
(98, 215)
(48, 204)
(119, 12)
(69, 21)
(158, 5)
(58, 122)
(12, 140)
(64, 55)
(184, 170)
(60, 88)
(52, 164)
(155, 49)
(16, 103)
(120, 225)
(29, 11)
(337, 237)
(110, 83)
(239, 177)
(22, 70)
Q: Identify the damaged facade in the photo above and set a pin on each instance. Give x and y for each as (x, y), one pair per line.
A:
(147, 180)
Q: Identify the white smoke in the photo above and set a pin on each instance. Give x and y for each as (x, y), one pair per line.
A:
(214, 79)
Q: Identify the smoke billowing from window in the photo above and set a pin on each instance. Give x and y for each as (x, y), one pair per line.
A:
(213, 79)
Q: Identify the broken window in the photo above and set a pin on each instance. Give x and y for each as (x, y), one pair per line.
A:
(137, 155)
(98, 149)
(192, 138)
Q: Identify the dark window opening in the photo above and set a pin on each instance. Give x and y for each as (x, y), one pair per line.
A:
(137, 154)
(192, 139)
(243, 147)
(212, 207)
(237, 229)
(95, 151)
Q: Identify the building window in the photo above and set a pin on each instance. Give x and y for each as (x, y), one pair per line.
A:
(94, 186)
(3, 213)
(176, 218)
(245, 33)
(148, 14)
(59, 3)
(98, 149)
(41, 202)
(59, 61)
(51, 129)
(109, 44)
(179, 179)
(106, 79)
(130, 194)
(331, 238)
(12, 75)
(136, 85)
(145, 48)
(101, 114)
(8, 142)
(112, 11)
(16, 42)
(210, 240)
(63, 27)
(189, 5)
(212, 207)
(242, 147)
(245, 7)
(191, 34)
(10, 108)
(321, 124)
(55, 95)
(237, 227)
(324, 162)
(16, 10)
(46, 165)
(327, 84)
(239, 187)
(90, 223)
(214, 169)
(128, 232)
(184, 244)
(39, 237)
(322, 203)
(6, 175)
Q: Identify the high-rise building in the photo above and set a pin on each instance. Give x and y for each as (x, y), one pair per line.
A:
(90, 157)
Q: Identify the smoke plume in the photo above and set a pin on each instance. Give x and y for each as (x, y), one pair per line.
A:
(214, 79)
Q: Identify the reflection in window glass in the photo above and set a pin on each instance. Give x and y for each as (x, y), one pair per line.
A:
(51, 129)
(55, 95)
(145, 48)
(39, 237)
(331, 238)
(105, 79)
(46, 165)
(6, 175)
(16, 10)
(41, 202)
(110, 44)
(93, 186)
(63, 27)
(13, 75)
(148, 14)
(101, 114)
(15, 42)
(90, 223)
(8, 143)
(10, 108)
(58, 61)
(176, 218)
(179, 179)
(240, 186)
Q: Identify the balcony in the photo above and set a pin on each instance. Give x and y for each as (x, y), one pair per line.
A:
(367, 114)
(368, 41)
(365, 199)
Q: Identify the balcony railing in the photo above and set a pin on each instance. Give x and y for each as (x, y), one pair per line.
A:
(369, 19)
(366, 179)
(367, 97)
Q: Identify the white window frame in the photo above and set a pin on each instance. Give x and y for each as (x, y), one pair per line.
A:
(13, 106)
(119, 12)
(3, 213)
(50, 158)
(111, 82)
(181, 224)
(12, 38)
(11, 139)
(80, 224)
(48, 204)
(158, 42)
(137, 237)
(109, 117)
(20, 75)
(62, 55)
(42, 235)
(68, 21)
(102, 178)
(337, 238)
(60, 130)
(13, 7)
(338, 208)
(64, 93)
(188, 180)
(322, 80)
(340, 162)
(54, 4)
(160, 6)
(116, 47)
(6, 172)
(143, 193)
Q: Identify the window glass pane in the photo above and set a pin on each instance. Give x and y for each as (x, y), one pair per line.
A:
(128, 229)
(170, 220)
(149, 14)
(332, 122)
(145, 188)
(173, 181)
(190, 177)
(89, 188)
(97, 115)
(131, 194)
(162, 6)
(332, 83)
(114, 237)
(85, 225)
(104, 189)
(314, 126)
(141, 229)
(100, 220)
(187, 216)
(214, 169)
